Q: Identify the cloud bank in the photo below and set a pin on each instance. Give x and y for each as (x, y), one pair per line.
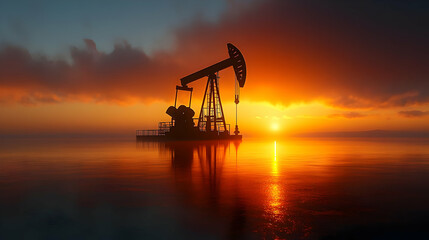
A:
(124, 74)
(413, 114)
(349, 115)
(351, 54)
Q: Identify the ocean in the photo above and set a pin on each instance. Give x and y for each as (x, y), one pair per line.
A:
(298, 188)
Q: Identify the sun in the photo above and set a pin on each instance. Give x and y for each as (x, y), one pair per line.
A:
(275, 126)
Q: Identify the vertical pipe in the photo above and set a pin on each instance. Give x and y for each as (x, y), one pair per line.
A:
(175, 99)
(237, 96)
(212, 90)
(190, 98)
(209, 118)
(201, 117)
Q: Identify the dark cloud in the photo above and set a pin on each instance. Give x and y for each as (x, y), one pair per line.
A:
(348, 115)
(414, 114)
(124, 74)
(353, 54)
(350, 53)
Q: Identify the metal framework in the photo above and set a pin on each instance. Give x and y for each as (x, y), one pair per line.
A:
(211, 117)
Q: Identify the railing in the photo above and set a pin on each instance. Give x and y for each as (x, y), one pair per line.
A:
(141, 133)
(164, 127)
(219, 127)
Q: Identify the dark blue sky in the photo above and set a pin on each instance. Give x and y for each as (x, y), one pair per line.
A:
(50, 27)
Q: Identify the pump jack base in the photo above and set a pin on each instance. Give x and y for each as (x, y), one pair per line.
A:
(202, 137)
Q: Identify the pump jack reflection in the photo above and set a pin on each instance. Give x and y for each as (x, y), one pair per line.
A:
(198, 169)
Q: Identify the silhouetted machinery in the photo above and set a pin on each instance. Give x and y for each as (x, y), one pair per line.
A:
(211, 121)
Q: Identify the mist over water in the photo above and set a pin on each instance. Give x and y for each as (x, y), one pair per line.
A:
(289, 189)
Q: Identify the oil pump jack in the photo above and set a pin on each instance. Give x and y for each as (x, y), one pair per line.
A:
(211, 121)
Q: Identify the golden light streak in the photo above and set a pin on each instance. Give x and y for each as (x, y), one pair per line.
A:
(275, 170)
(274, 207)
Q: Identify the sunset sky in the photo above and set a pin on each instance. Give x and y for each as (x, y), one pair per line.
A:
(111, 67)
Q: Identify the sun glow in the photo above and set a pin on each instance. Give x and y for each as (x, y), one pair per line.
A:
(275, 126)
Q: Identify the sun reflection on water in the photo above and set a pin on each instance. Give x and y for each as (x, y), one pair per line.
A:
(275, 194)
(275, 170)
(275, 203)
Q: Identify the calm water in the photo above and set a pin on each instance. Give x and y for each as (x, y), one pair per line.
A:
(294, 189)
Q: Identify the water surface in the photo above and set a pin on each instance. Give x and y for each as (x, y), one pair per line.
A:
(289, 189)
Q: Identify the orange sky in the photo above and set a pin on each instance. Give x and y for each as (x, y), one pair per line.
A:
(255, 118)
(311, 68)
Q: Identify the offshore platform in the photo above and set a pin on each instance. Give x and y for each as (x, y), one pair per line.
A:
(211, 123)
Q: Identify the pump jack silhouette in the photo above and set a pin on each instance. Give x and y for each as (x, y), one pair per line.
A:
(211, 121)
